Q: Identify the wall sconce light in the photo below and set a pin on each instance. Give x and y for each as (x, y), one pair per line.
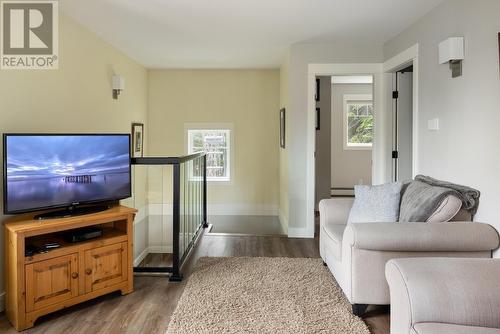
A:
(118, 85)
(452, 51)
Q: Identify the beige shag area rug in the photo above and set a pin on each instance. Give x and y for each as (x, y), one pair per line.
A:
(263, 295)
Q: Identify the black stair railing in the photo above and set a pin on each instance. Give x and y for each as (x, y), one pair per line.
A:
(189, 214)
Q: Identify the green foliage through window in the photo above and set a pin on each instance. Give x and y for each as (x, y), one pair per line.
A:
(359, 123)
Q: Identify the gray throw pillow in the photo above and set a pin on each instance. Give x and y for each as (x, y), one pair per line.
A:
(376, 204)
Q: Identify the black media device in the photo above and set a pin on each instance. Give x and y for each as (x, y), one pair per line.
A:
(77, 173)
(83, 234)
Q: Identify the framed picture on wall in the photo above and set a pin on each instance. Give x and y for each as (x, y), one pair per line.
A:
(499, 51)
(137, 140)
(282, 127)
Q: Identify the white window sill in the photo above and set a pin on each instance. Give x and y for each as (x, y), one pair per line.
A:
(357, 147)
(220, 182)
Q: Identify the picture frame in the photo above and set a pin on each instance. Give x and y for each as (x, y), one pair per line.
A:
(137, 142)
(499, 52)
(282, 127)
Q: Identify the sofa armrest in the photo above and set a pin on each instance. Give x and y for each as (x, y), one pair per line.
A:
(443, 290)
(422, 237)
(335, 210)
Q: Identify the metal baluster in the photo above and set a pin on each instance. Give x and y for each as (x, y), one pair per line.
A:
(205, 216)
(176, 275)
(198, 203)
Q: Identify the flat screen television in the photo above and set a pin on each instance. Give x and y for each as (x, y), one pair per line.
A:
(46, 171)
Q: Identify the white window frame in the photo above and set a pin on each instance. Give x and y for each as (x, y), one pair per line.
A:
(348, 98)
(222, 127)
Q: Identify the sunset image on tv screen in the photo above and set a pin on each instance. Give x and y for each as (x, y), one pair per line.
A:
(56, 170)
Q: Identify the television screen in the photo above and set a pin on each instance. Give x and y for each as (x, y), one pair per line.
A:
(49, 171)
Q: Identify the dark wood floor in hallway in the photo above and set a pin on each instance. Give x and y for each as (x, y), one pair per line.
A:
(149, 307)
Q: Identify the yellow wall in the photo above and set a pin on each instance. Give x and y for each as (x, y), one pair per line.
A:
(283, 169)
(77, 97)
(249, 99)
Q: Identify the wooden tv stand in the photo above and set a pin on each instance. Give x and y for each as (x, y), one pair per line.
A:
(46, 282)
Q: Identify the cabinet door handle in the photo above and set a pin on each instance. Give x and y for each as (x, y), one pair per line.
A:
(88, 271)
(74, 275)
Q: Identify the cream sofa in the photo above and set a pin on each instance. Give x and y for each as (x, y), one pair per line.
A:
(356, 254)
(444, 296)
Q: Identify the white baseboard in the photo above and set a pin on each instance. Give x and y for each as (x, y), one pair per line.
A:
(341, 192)
(2, 301)
(242, 210)
(283, 222)
(160, 249)
(300, 232)
(141, 257)
(222, 209)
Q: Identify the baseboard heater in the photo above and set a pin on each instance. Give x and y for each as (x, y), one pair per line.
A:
(341, 192)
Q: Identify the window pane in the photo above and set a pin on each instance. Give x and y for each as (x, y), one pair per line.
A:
(197, 140)
(215, 144)
(360, 123)
(353, 109)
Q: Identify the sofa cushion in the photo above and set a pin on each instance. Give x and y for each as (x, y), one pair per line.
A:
(446, 210)
(376, 204)
(439, 328)
(335, 232)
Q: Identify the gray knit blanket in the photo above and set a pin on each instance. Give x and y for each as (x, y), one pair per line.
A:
(421, 197)
(468, 195)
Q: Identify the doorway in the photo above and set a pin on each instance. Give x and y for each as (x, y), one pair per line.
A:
(402, 124)
(379, 148)
(378, 165)
(344, 135)
(402, 96)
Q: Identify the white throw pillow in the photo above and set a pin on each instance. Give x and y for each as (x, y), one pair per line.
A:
(376, 204)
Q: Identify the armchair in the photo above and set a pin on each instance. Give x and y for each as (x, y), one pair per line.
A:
(356, 254)
(444, 296)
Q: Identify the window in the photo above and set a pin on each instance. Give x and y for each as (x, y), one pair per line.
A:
(358, 122)
(216, 144)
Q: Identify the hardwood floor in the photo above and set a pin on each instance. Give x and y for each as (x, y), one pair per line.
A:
(254, 225)
(157, 260)
(149, 307)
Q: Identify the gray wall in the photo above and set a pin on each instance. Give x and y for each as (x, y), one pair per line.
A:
(348, 166)
(465, 149)
(323, 141)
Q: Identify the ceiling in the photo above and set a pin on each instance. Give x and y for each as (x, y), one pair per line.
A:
(238, 33)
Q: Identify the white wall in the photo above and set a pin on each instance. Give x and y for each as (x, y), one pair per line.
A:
(465, 149)
(348, 167)
(283, 163)
(300, 56)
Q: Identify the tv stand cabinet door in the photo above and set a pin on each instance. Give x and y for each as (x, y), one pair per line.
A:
(51, 281)
(105, 266)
